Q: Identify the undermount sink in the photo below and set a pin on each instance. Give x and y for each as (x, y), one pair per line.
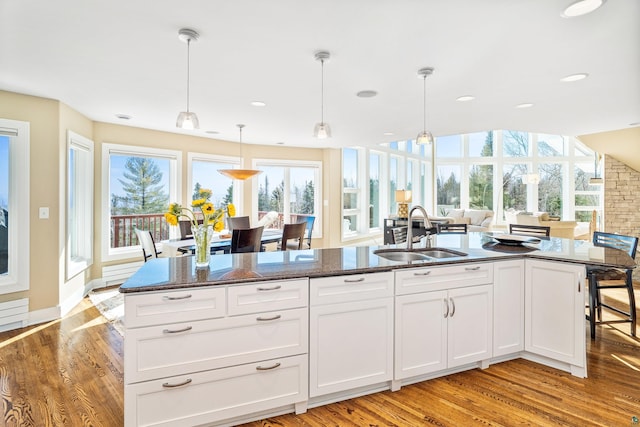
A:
(418, 254)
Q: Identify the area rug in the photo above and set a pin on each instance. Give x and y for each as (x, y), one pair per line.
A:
(110, 303)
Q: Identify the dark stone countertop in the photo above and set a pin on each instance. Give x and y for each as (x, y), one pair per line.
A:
(180, 272)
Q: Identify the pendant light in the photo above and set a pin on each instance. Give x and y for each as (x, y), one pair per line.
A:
(425, 137)
(240, 174)
(322, 130)
(188, 119)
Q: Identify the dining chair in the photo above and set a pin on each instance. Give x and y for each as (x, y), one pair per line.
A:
(238, 222)
(309, 230)
(246, 240)
(530, 230)
(398, 235)
(446, 228)
(292, 236)
(611, 278)
(145, 238)
(185, 229)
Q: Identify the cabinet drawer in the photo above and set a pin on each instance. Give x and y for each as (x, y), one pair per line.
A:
(414, 280)
(174, 349)
(266, 296)
(357, 287)
(155, 308)
(210, 396)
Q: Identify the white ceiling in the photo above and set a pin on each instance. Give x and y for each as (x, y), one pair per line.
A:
(104, 58)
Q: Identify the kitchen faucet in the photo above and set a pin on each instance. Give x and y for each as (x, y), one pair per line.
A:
(427, 226)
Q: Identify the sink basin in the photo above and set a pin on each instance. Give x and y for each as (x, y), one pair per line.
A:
(441, 253)
(405, 256)
(418, 254)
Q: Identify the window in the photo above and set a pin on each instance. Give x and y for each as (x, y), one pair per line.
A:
(79, 233)
(514, 191)
(550, 187)
(203, 173)
(140, 182)
(448, 188)
(394, 183)
(481, 187)
(350, 191)
(515, 144)
(14, 206)
(374, 190)
(290, 188)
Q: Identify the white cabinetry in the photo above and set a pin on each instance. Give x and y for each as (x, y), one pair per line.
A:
(206, 355)
(447, 323)
(350, 332)
(554, 312)
(508, 307)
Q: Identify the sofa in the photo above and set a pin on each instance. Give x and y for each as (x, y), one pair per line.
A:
(476, 219)
(565, 229)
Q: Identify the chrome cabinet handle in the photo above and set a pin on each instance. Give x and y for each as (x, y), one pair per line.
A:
(453, 307)
(472, 268)
(273, 288)
(262, 368)
(446, 304)
(185, 382)
(266, 319)
(177, 331)
(424, 273)
(361, 279)
(168, 298)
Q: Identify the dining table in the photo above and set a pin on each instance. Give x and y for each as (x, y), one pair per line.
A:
(220, 243)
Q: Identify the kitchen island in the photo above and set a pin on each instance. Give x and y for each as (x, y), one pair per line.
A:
(261, 334)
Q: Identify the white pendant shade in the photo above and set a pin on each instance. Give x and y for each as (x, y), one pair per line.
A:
(187, 120)
(322, 131)
(424, 137)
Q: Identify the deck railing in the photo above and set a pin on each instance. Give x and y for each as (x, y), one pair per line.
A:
(122, 234)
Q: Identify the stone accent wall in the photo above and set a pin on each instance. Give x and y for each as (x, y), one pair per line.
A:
(622, 201)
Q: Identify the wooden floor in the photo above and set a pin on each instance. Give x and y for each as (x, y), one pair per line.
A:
(70, 373)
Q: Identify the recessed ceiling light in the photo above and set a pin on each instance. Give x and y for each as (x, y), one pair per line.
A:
(366, 94)
(581, 7)
(123, 116)
(574, 77)
(525, 105)
(388, 134)
(465, 98)
(212, 132)
(258, 104)
(634, 124)
(280, 143)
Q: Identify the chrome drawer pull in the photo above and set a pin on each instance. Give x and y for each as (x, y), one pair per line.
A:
(177, 331)
(424, 273)
(266, 319)
(354, 280)
(472, 268)
(260, 368)
(167, 298)
(274, 288)
(185, 382)
(446, 304)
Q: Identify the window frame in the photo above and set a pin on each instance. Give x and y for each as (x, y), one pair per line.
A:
(81, 183)
(17, 277)
(287, 165)
(175, 192)
(233, 162)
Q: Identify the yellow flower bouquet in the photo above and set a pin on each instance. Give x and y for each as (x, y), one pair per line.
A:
(212, 220)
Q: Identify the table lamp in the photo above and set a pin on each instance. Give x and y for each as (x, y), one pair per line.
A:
(403, 198)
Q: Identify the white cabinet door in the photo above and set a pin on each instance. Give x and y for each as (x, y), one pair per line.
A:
(469, 325)
(508, 307)
(420, 334)
(554, 311)
(350, 345)
(442, 329)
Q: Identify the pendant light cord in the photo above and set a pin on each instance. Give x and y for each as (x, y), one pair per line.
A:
(188, 70)
(424, 103)
(322, 92)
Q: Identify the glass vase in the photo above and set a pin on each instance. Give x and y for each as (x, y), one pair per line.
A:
(202, 234)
